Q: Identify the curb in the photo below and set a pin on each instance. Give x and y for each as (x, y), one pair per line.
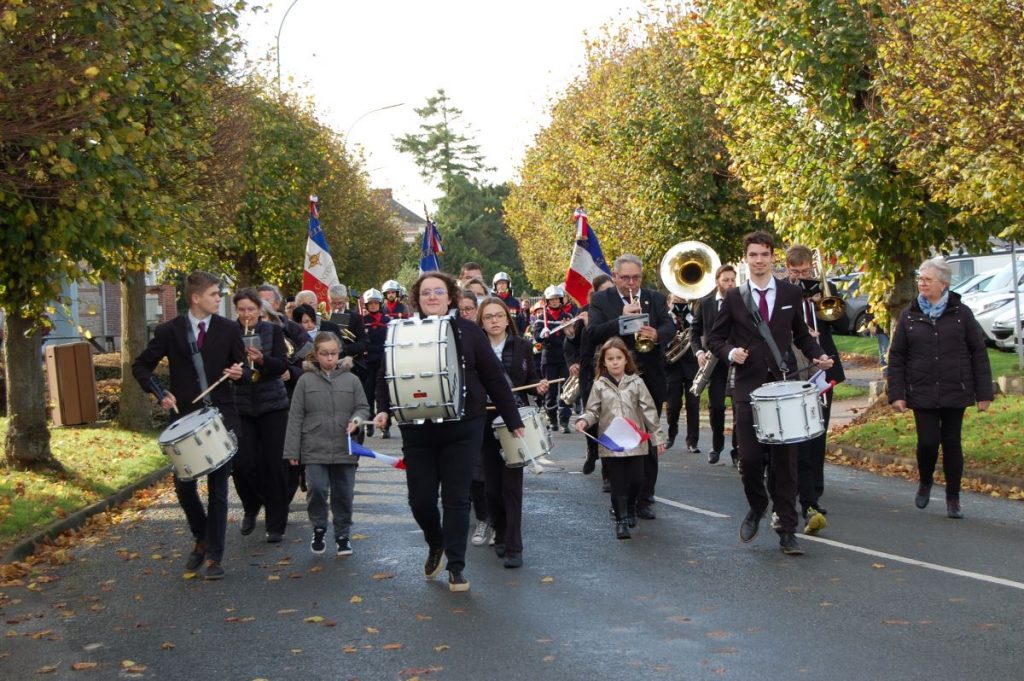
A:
(886, 459)
(28, 546)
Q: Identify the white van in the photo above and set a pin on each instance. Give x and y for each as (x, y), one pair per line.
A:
(967, 265)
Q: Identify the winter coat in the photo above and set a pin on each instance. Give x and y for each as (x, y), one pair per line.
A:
(322, 406)
(939, 363)
(266, 391)
(629, 399)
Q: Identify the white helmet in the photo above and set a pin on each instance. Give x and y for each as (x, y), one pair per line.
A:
(372, 294)
(554, 291)
(390, 285)
(501, 276)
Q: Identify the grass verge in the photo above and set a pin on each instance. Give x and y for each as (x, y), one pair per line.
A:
(844, 391)
(993, 441)
(1003, 363)
(99, 460)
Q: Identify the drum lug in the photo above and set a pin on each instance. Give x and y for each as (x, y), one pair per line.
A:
(426, 374)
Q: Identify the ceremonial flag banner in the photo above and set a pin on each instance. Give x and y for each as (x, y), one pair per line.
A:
(356, 449)
(621, 435)
(318, 270)
(430, 248)
(587, 260)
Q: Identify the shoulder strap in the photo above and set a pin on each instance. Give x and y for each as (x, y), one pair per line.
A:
(762, 328)
(197, 358)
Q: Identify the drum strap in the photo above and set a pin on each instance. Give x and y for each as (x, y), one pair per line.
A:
(197, 362)
(765, 332)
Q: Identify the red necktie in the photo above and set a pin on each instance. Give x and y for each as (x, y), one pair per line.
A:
(762, 305)
(202, 335)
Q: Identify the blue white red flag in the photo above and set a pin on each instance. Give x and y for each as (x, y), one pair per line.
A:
(318, 271)
(356, 449)
(587, 260)
(430, 248)
(622, 435)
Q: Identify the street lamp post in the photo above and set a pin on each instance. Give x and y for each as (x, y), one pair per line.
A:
(277, 52)
(348, 133)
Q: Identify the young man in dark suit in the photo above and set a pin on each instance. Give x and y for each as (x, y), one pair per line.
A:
(811, 467)
(735, 339)
(219, 343)
(628, 297)
(703, 322)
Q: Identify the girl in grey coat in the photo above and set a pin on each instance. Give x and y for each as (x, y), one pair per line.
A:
(327, 404)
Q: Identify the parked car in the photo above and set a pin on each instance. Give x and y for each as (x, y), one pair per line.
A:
(1001, 282)
(967, 265)
(854, 321)
(973, 283)
(1004, 331)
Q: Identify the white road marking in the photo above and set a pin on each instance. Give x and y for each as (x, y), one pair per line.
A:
(687, 507)
(869, 552)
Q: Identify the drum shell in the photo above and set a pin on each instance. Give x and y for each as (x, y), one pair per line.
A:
(424, 370)
(198, 443)
(786, 412)
(517, 453)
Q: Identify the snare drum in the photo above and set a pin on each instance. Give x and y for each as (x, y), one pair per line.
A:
(198, 443)
(534, 444)
(786, 412)
(424, 370)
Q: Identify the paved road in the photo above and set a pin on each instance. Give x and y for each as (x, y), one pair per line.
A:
(683, 600)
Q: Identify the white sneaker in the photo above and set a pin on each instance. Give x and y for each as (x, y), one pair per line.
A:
(483, 529)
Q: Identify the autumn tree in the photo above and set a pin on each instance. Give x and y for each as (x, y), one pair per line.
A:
(94, 99)
(637, 144)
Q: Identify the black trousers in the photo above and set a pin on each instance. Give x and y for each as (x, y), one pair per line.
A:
(680, 378)
(754, 457)
(655, 382)
(943, 427)
(370, 387)
(261, 477)
(558, 413)
(439, 456)
(811, 464)
(210, 524)
(626, 474)
(717, 387)
(504, 487)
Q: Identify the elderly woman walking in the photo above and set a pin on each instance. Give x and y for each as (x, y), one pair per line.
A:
(938, 366)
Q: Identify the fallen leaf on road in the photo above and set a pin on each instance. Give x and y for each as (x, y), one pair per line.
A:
(316, 568)
(82, 666)
(350, 649)
(547, 580)
(330, 623)
(392, 646)
(189, 575)
(167, 646)
(443, 647)
(718, 633)
(548, 658)
(296, 651)
(372, 630)
(127, 663)
(48, 669)
(897, 622)
(356, 599)
(287, 611)
(878, 566)
(357, 537)
(414, 672)
(383, 575)
(315, 619)
(273, 578)
(423, 618)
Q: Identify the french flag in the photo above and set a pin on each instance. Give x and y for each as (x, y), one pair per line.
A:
(356, 449)
(622, 435)
(430, 248)
(318, 271)
(587, 260)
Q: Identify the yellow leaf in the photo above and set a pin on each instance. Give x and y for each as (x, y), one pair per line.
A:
(48, 669)
(392, 646)
(9, 19)
(372, 630)
(357, 537)
(878, 566)
(296, 651)
(273, 578)
(91, 72)
(356, 599)
(443, 647)
(383, 575)
(189, 575)
(547, 580)
(314, 619)
(286, 611)
(167, 646)
(127, 663)
(350, 649)
(81, 666)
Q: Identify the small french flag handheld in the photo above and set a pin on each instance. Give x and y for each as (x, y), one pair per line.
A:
(356, 449)
(622, 434)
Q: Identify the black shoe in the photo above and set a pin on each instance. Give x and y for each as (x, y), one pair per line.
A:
(671, 441)
(499, 549)
(565, 428)
(713, 457)
(385, 434)
(953, 509)
(631, 516)
(432, 568)
(606, 486)
(693, 449)
(195, 559)
(789, 545)
(735, 458)
(369, 431)
(749, 526)
(274, 537)
(622, 530)
(514, 560)
(213, 571)
(589, 465)
(344, 546)
(924, 493)
(317, 545)
(456, 582)
(248, 524)
(646, 511)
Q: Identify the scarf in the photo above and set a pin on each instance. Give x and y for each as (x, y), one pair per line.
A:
(933, 310)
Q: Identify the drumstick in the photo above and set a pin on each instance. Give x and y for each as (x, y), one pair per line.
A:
(534, 385)
(208, 390)
(160, 392)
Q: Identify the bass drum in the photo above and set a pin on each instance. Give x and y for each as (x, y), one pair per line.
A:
(424, 370)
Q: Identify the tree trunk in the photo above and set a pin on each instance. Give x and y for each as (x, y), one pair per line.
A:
(246, 269)
(27, 445)
(903, 291)
(134, 412)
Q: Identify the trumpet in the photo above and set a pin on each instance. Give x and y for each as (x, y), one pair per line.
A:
(642, 343)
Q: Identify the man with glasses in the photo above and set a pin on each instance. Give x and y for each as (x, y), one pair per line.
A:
(628, 297)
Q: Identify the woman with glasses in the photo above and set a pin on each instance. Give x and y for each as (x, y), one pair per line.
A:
(440, 455)
(938, 366)
(505, 485)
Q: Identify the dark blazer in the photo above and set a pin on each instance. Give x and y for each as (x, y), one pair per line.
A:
(605, 310)
(703, 321)
(939, 363)
(735, 328)
(221, 348)
(521, 368)
(483, 377)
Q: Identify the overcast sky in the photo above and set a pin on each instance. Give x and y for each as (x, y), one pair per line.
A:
(500, 63)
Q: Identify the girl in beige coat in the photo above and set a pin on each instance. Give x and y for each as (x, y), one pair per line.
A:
(618, 391)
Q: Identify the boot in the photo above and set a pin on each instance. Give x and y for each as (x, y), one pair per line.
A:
(621, 524)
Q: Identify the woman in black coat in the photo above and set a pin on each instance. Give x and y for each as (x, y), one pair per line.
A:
(938, 366)
(503, 485)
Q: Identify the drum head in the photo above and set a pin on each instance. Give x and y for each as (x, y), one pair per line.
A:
(780, 389)
(185, 425)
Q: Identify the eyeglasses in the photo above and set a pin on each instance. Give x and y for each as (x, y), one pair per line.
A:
(436, 292)
(497, 316)
(925, 280)
(467, 309)
(629, 277)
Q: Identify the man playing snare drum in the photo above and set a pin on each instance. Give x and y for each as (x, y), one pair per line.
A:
(735, 338)
(218, 342)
